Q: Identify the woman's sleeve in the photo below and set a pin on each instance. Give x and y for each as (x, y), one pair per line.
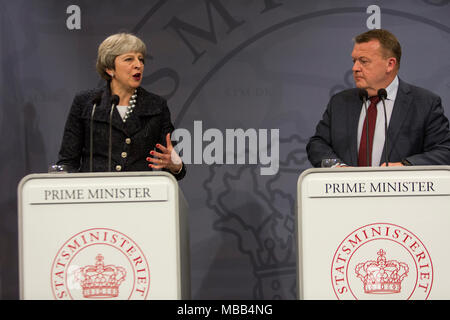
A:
(73, 138)
(167, 127)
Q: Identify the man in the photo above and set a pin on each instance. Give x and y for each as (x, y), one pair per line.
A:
(418, 130)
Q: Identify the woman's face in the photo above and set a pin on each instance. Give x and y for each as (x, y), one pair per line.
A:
(129, 68)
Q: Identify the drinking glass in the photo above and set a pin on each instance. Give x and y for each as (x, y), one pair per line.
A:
(58, 168)
(329, 163)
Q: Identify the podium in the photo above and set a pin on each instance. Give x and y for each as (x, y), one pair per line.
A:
(103, 236)
(374, 233)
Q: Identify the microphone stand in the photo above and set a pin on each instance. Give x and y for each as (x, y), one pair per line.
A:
(115, 101)
(91, 138)
(386, 135)
(95, 102)
(383, 95)
(367, 131)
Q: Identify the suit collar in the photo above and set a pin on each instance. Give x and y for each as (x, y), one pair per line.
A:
(103, 111)
(145, 106)
(392, 89)
(353, 117)
(399, 114)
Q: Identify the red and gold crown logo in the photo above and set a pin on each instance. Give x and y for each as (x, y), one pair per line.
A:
(100, 281)
(382, 276)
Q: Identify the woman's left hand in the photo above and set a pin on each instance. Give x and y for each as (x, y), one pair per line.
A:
(167, 158)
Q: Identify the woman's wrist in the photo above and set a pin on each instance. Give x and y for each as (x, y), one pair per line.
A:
(176, 170)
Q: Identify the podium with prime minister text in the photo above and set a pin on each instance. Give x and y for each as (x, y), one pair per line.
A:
(374, 233)
(103, 236)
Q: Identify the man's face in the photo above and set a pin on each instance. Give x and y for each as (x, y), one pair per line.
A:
(371, 70)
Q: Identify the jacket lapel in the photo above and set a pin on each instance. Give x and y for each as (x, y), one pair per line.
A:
(399, 115)
(145, 107)
(102, 113)
(353, 118)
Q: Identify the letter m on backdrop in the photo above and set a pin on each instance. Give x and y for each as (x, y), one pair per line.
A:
(183, 28)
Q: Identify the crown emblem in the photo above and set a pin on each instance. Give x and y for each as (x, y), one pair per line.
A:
(382, 276)
(100, 281)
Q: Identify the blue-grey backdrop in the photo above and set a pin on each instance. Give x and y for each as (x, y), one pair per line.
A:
(250, 64)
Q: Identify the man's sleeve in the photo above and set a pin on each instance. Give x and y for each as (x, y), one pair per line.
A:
(436, 140)
(320, 145)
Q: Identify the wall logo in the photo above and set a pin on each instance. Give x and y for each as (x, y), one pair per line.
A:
(100, 264)
(269, 241)
(382, 261)
(374, 20)
(227, 66)
(236, 146)
(73, 21)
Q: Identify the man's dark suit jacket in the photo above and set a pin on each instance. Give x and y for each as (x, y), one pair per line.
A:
(418, 129)
(132, 141)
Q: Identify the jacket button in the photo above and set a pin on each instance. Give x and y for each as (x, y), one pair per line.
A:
(118, 168)
(124, 154)
(127, 140)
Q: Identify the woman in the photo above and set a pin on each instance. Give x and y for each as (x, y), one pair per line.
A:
(141, 125)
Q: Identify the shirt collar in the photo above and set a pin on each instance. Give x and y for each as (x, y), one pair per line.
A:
(392, 89)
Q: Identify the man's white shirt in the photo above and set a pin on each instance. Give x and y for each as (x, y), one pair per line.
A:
(379, 135)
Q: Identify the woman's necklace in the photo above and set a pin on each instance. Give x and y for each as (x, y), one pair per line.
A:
(132, 105)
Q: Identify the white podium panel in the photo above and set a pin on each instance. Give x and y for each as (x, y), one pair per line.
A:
(103, 236)
(374, 233)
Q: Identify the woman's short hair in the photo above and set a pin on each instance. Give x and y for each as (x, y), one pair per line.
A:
(114, 46)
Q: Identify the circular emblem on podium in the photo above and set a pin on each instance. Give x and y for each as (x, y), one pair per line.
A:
(100, 264)
(382, 261)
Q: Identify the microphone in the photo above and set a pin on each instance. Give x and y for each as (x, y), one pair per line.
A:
(364, 96)
(114, 102)
(382, 94)
(96, 101)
